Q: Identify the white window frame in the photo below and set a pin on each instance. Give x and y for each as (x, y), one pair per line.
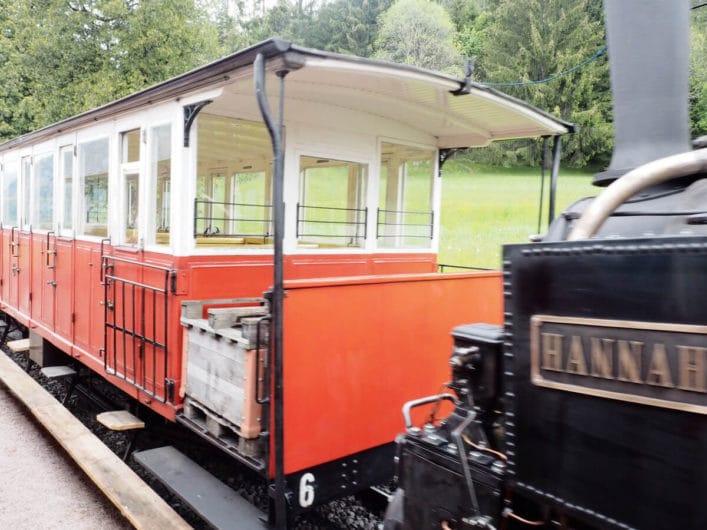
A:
(35, 191)
(436, 199)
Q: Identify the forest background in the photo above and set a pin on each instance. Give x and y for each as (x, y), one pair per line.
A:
(61, 57)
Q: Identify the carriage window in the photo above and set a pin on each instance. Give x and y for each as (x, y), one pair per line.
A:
(405, 218)
(160, 174)
(331, 210)
(93, 176)
(9, 195)
(130, 174)
(43, 192)
(66, 167)
(233, 204)
(25, 173)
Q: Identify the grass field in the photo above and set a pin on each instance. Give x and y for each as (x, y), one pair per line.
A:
(485, 207)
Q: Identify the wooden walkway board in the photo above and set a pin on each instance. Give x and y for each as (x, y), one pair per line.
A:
(119, 420)
(135, 499)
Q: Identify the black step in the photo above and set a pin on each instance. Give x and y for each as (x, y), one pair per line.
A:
(214, 501)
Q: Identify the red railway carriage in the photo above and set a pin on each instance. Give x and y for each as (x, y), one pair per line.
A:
(140, 237)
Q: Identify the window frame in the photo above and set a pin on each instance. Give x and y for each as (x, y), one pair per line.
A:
(36, 191)
(435, 196)
(13, 162)
(80, 226)
(60, 201)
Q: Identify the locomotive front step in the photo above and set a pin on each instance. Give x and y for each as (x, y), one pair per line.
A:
(214, 501)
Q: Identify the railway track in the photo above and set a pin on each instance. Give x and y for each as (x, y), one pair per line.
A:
(143, 500)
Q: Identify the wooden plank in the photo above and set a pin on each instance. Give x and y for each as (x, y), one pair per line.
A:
(17, 346)
(119, 420)
(135, 499)
(219, 505)
(226, 317)
(54, 372)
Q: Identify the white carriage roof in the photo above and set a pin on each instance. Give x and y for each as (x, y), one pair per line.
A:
(458, 113)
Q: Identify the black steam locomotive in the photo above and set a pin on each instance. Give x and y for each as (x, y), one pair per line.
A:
(587, 409)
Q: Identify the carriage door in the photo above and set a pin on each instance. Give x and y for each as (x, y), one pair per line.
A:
(136, 298)
(9, 220)
(123, 276)
(23, 249)
(43, 248)
(63, 247)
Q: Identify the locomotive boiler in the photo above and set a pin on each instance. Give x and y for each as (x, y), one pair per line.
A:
(586, 409)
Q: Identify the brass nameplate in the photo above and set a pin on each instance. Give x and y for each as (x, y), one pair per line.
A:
(663, 365)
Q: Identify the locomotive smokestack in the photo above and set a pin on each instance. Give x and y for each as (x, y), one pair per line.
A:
(648, 46)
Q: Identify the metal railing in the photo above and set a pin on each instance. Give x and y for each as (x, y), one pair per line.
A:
(334, 223)
(232, 223)
(404, 224)
(444, 266)
(137, 325)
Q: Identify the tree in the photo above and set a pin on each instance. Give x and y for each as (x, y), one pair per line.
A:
(698, 73)
(348, 26)
(531, 40)
(341, 26)
(64, 57)
(288, 20)
(420, 33)
(470, 21)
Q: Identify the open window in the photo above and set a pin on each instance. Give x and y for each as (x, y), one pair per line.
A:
(405, 213)
(9, 195)
(43, 192)
(130, 142)
(66, 176)
(161, 179)
(93, 176)
(25, 190)
(233, 196)
(331, 210)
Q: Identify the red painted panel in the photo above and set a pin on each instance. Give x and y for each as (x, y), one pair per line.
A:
(64, 274)
(13, 268)
(399, 303)
(24, 275)
(356, 349)
(97, 294)
(43, 279)
(5, 266)
(83, 308)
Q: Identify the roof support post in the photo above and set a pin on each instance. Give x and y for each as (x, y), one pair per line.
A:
(190, 112)
(275, 130)
(556, 155)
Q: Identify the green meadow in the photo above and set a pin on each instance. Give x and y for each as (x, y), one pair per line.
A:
(484, 207)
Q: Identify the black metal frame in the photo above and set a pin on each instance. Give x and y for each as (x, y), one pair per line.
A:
(278, 515)
(190, 114)
(344, 476)
(301, 208)
(380, 224)
(133, 327)
(443, 266)
(556, 154)
(208, 233)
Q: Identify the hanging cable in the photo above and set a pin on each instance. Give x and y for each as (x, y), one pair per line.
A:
(599, 53)
(594, 57)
